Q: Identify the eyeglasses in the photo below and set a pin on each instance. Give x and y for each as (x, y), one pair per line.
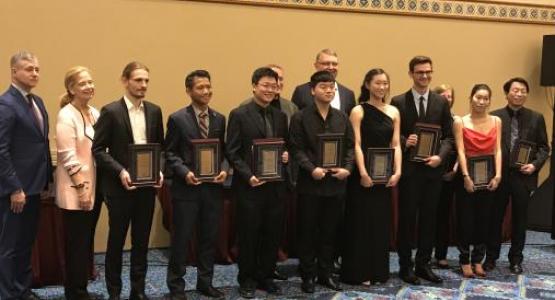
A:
(422, 73)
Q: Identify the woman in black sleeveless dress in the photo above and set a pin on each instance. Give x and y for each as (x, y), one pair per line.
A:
(368, 207)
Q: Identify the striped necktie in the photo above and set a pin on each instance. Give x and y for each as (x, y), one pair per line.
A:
(202, 124)
(36, 114)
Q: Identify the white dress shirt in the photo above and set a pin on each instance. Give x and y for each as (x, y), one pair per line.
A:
(138, 121)
(417, 96)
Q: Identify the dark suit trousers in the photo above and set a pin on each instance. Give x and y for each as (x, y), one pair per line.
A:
(135, 208)
(260, 216)
(79, 236)
(17, 235)
(515, 189)
(318, 219)
(418, 199)
(473, 215)
(443, 221)
(202, 207)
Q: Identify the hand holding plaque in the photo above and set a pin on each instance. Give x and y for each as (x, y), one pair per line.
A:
(267, 159)
(330, 150)
(481, 170)
(206, 159)
(521, 153)
(379, 164)
(427, 141)
(145, 164)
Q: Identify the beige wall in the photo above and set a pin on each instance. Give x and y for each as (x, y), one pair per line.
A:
(175, 37)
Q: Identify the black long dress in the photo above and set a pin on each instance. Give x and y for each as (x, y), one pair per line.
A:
(368, 211)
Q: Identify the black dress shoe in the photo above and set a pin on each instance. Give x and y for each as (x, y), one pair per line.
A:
(427, 274)
(516, 268)
(308, 286)
(489, 265)
(277, 275)
(138, 296)
(247, 291)
(330, 283)
(210, 291)
(30, 295)
(409, 277)
(270, 287)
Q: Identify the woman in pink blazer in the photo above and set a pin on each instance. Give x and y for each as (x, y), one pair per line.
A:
(76, 177)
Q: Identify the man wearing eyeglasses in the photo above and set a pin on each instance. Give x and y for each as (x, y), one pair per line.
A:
(420, 184)
(344, 99)
(260, 205)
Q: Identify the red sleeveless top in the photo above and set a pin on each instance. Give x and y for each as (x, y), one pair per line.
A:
(477, 143)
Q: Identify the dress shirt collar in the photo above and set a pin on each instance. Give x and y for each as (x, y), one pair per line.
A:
(417, 95)
(317, 111)
(198, 111)
(21, 91)
(513, 112)
(130, 105)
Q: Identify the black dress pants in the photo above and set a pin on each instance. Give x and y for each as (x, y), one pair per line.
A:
(443, 221)
(17, 235)
(473, 215)
(201, 208)
(515, 189)
(318, 218)
(260, 215)
(418, 200)
(135, 208)
(78, 228)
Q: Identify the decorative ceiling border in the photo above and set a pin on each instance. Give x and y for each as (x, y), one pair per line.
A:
(496, 11)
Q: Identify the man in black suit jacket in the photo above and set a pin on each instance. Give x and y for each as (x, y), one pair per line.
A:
(344, 100)
(26, 170)
(420, 184)
(260, 206)
(196, 204)
(518, 182)
(130, 120)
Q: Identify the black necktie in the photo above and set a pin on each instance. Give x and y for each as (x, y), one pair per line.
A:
(267, 123)
(421, 109)
(514, 128)
(36, 117)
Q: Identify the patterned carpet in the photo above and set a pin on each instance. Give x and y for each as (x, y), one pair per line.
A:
(537, 281)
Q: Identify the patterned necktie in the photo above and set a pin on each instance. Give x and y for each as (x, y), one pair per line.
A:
(36, 115)
(514, 128)
(202, 124)
(421, 109)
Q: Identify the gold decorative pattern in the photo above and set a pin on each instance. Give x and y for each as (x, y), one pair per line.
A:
(497, 11)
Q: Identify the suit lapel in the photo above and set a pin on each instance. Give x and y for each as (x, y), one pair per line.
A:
(126, 121)
(192, 119)
(212, 126)
(23, 104)
(430, 105)
(411, 108)
(506, 130)
(148, 124)
(256, 118)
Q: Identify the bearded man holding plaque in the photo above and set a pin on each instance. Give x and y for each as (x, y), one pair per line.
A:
(129, 179)
(524, 150)
(420, 185)
(193, 149)
(321, 140)
(255, 148)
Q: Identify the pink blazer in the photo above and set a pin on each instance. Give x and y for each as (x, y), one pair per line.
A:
(74, 143)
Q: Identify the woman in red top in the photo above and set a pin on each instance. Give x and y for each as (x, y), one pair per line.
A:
(476, 134)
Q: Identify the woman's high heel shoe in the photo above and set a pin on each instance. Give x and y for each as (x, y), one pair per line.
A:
(479, 270)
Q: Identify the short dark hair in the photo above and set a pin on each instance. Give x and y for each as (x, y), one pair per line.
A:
(418, 60)
(509, 83)
(321, 76)
(132, 66)
(263, 72)
(190, 79)
(480, 86)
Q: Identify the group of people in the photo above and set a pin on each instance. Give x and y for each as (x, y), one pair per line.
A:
(338, 205)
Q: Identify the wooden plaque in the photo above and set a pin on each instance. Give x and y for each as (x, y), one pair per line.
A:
(206, 159)
(145, 164)
(481, 170)
(330, 150)
(379, 164)
(428, 141)
(267, 164)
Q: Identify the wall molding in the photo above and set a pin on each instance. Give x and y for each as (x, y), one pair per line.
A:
(483, 10)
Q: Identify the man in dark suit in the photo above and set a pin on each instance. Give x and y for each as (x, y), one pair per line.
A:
(288, 108)
(260, 206)
(518, 182)
(196, 204)
(420, 184)
(129, 120)
(344, 99)
(25, 173)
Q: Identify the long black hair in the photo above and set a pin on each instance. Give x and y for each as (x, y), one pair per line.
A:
(364, 92)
